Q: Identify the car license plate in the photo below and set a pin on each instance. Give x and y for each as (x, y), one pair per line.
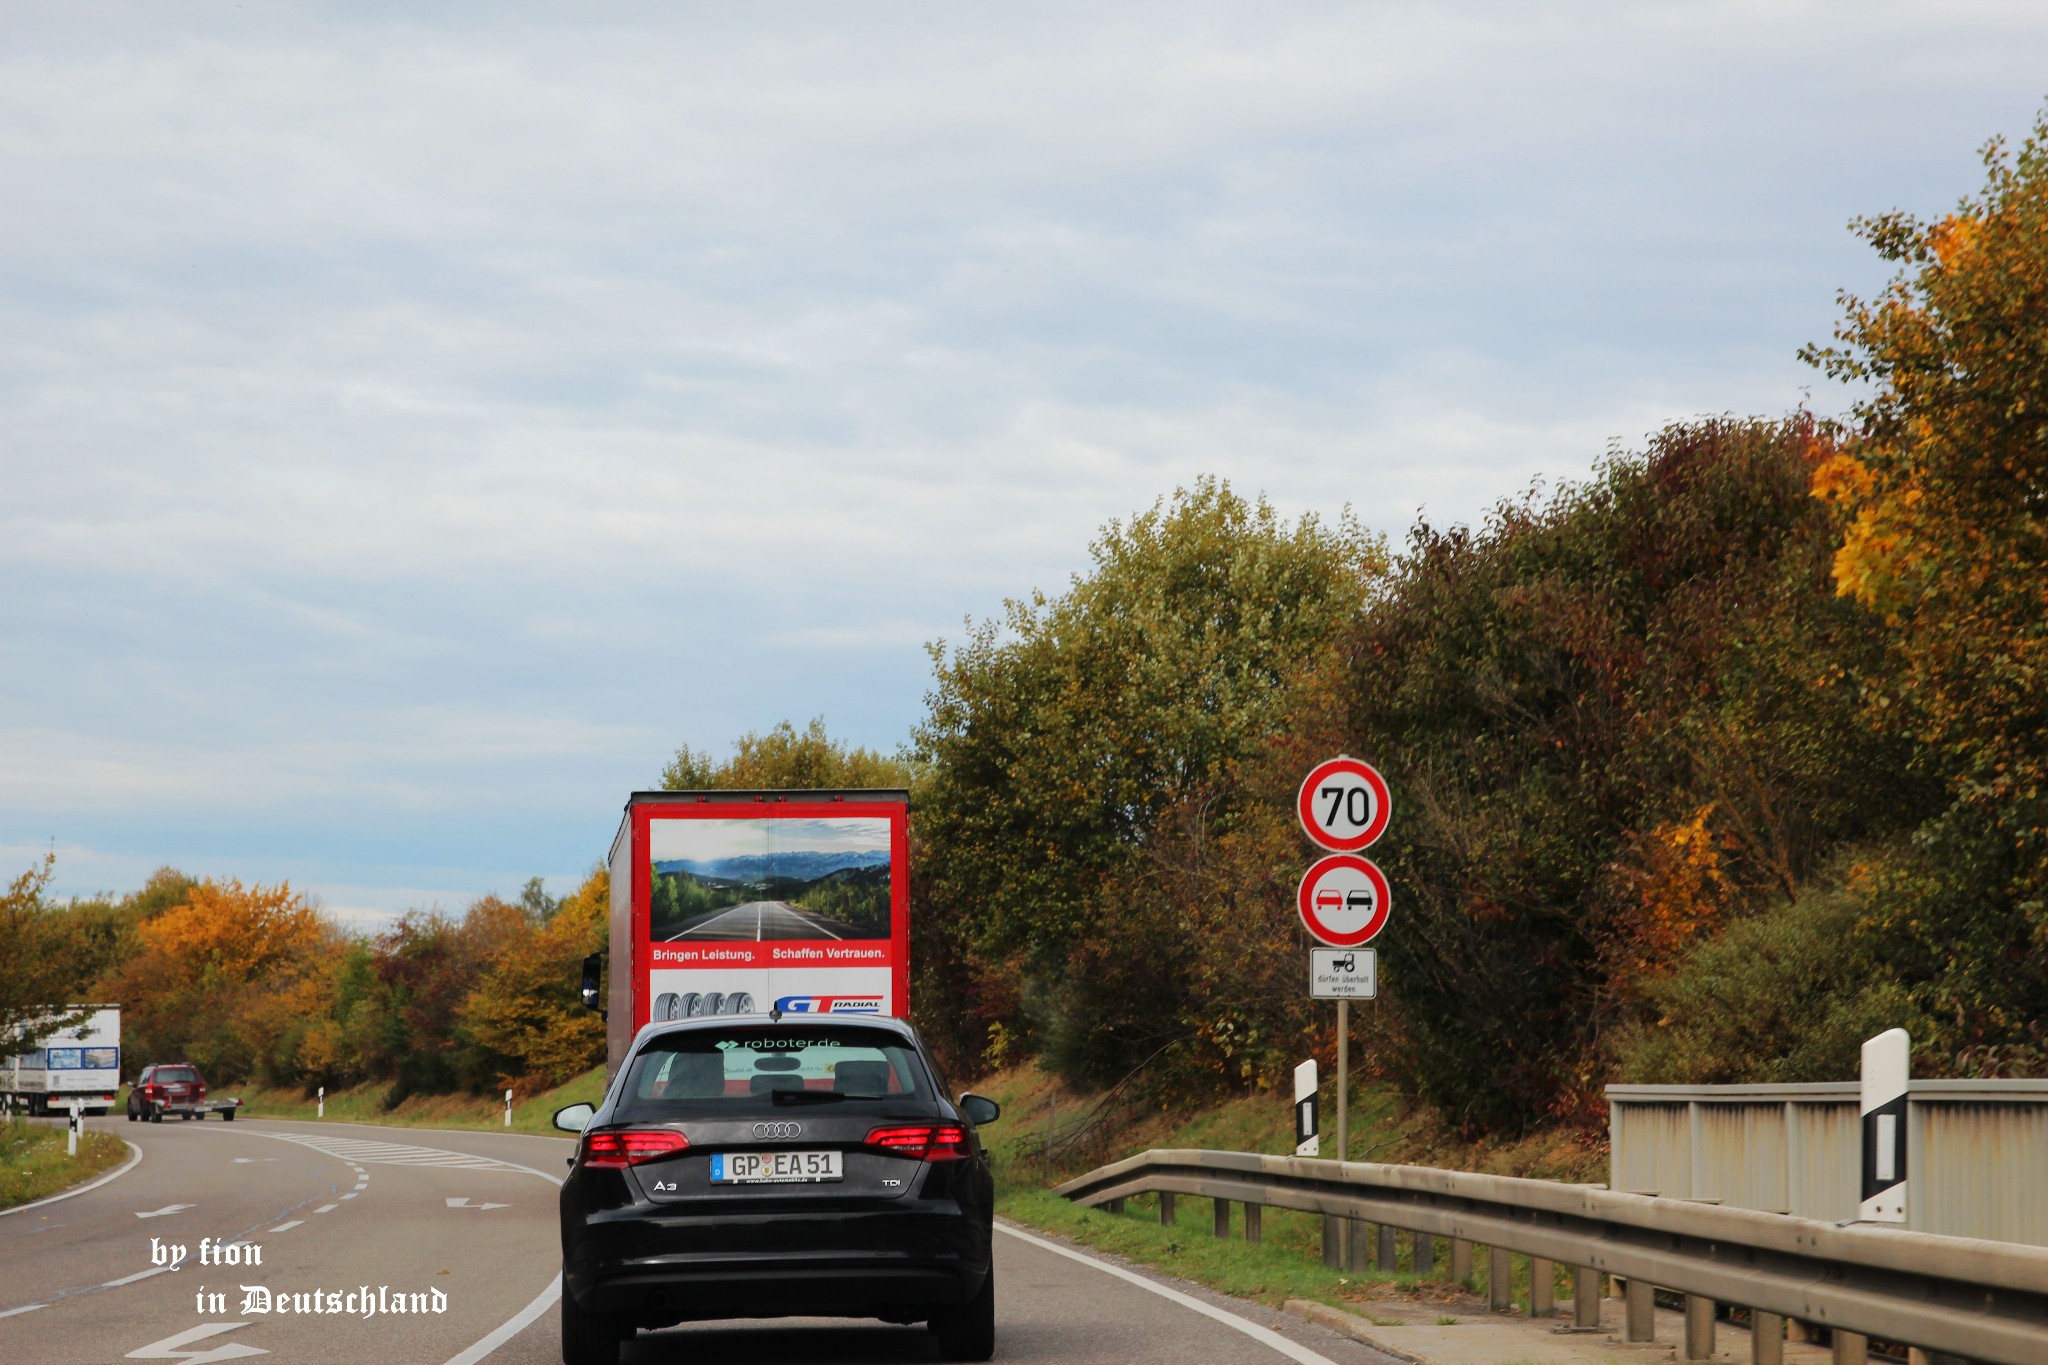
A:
(759, 1168)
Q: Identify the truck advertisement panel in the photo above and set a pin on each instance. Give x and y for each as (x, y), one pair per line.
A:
(747, 902)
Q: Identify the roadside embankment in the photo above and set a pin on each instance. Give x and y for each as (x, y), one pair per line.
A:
(531, 1113)
(1048, 1133)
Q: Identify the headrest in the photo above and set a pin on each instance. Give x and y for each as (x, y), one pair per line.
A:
(862, 1078)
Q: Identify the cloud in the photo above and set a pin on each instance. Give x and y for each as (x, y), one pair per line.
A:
(419, 422)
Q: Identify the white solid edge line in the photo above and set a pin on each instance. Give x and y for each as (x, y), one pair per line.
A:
(25, 1308)
(512, 1326)
(126, 1166)
(1265, 1336)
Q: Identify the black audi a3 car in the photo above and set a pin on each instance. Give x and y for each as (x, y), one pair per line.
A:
(760, 1166)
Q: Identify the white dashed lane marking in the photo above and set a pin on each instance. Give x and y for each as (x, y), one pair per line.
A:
(358, 1152)
(287, 1227)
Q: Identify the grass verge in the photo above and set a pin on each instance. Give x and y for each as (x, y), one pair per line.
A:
(482, 1113)
(1272, 1271)
(33, 1164)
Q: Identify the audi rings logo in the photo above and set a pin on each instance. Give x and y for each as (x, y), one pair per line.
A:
(778, 1130)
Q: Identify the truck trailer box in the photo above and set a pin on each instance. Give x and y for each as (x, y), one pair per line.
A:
(80, 1063)
(743, 902)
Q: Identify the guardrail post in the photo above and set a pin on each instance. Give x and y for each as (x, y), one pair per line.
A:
(1423, 1254)
(1766, 1339)
(1115, 1206)
(1166, 1208)
(1585, 1298)
(1851, 1348)
(1252, 1214)
(1542, 1288)
(1641, 1311)
(1223, 1219)
(1500, 1280)
(1333, 1241)
(1461, 1260)
(1390, 1252)
(1699, 1328)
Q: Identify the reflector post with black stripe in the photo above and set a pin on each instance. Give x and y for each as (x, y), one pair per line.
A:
(1886, 1062)
(1307, 1121)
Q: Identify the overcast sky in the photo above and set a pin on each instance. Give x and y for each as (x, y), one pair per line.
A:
(413, 429)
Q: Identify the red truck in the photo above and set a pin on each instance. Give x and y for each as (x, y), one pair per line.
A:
(175, 1088)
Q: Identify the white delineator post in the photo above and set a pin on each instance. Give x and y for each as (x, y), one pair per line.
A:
(71, 1130)
(1306, 1143)
(508, 1109)
(1886, 1060)
(323, 1102)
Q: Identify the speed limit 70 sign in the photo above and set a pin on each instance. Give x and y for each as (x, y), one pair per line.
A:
(1344, 804)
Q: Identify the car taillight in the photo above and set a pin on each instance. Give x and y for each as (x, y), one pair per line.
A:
(615, 1148)
(944, 1142)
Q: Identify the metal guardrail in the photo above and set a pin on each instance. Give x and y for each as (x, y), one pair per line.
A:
(1976, 1151)
(1979, 1300)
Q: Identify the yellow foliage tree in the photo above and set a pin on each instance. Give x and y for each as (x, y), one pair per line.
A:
(1943, 484)
(231, 979)
(526, 1008)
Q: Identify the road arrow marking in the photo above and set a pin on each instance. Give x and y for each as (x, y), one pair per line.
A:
(463, 1203)
(167, 1349)
(168, 1208)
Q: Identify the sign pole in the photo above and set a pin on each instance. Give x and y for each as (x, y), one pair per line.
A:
(1343, 1080)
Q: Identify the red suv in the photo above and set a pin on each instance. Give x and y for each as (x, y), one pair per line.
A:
(174, 1088)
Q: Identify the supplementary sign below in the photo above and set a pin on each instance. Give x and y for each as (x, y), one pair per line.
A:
(1343, 900)
(1344, 804)
(1343, 974)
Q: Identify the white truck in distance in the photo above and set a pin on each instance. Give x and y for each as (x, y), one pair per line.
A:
(79, 1064)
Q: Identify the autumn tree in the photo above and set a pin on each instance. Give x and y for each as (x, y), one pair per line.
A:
(1615, 720)
(786, 758)
(1942, 488)
(1064, 738)
(33, 977)
(229, 979)
(525, 1009)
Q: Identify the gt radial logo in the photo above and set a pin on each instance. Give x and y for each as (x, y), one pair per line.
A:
(778, 1130)
(830, 1004)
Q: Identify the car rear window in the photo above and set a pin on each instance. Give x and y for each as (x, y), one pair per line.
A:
(711, 1071)
(167, 1074)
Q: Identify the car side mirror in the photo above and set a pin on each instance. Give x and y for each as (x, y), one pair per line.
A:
(574, 1118)
(979, 1109)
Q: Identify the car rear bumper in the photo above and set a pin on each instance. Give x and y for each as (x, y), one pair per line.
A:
(657, 1266)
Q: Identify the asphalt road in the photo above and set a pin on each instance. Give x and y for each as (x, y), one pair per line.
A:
(337, 1207)
(757, 921)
